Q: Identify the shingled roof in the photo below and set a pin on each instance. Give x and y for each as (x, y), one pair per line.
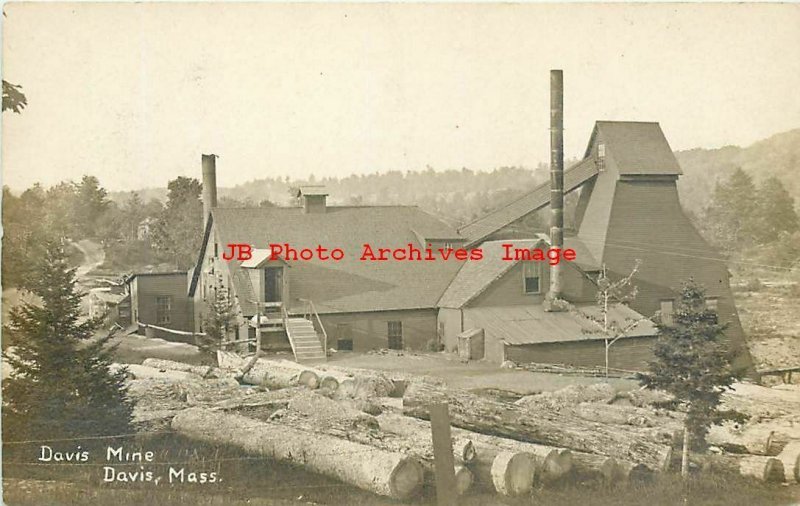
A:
(638, 148)
(350, 285)
(474, 277)
(531, 324)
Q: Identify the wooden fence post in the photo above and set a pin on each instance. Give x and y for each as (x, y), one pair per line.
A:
(443, 460)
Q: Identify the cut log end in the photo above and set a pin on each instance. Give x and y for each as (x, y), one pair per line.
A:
(309, 379)
(790, 457)
(773, 472)
(766, 469)
(513, 473)
(406, 479)
(555, 464)
(464, 480)
(328, 383)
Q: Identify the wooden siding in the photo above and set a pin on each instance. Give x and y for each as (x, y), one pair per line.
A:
(369, 330)
(450, 321)
(508, 289)
(146, 288)
(630, 354)
(647, 223)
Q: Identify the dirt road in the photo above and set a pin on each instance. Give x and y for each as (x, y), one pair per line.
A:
(470, 375)
(93, 256)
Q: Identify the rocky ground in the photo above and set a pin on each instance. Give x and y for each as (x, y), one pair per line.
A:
(770, 318)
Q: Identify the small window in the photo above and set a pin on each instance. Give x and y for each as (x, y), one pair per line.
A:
(395, 334)
(531, 275)
(711, 303)
(163, 309)
(601, 157)
(666, 312)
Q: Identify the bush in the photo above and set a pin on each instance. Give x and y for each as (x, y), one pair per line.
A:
(753, 284)
(434, 345)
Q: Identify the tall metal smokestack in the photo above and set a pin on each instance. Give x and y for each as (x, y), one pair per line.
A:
(209, 185)
(556, 176)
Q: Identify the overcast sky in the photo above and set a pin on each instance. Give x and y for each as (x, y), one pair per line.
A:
(134, 93)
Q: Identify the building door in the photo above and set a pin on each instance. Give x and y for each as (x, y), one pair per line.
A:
(273, 284)
(395, 332)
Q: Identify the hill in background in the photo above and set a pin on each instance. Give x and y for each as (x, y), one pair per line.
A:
(460, 196)
(778, 156)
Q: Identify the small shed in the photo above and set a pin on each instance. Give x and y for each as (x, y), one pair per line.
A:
(470, 344)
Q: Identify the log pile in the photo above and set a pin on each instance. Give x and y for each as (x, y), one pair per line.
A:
(385, 473)
(204, 371)
(312, 415)
(542, 426)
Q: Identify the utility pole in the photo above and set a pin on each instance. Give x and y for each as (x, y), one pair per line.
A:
(443, 460)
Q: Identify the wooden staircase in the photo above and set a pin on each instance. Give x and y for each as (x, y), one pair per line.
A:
(304, 339)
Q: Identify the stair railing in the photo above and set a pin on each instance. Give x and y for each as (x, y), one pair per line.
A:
(285, 315)
(310, 310)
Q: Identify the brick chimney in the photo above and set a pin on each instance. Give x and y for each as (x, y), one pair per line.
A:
(556, 177)
(209, 163)
(314, 199)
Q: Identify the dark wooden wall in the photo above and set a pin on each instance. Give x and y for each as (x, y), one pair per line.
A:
(148, 287)
(369, 330)
(630, 354)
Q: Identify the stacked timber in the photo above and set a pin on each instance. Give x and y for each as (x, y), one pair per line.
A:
(761, 403)
(137, 371)
(314, 413)
(280, 374)
(736, 438)
(549, 463)
(204, 371)
(542, 426)
(379, 471)
(571, 395)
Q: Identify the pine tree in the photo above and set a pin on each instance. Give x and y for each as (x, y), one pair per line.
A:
(60, 383)
(218, 321)
(693, 363)
(731, 221)
(776, 212)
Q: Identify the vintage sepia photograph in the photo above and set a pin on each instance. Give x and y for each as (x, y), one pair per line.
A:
(389, 254)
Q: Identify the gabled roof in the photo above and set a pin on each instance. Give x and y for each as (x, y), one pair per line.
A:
(135, 275)
(638, 148)
(474, 277)
(312, 189)
(531, 324)
(538, 198)
(349, 285)
(259, 258)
